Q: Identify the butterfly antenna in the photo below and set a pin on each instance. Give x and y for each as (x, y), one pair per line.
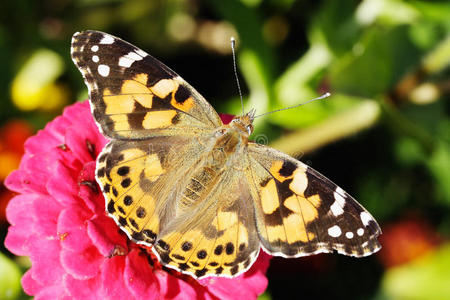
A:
(233, 43)
(274, 111)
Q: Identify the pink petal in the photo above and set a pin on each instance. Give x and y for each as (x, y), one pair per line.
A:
(30, 286)
(77, 142)
(82, 289)
(104, 234)
(72, 228)
(139, 277)
(63, 186)
(46, 211)
(252, 283)
(14, 181)
(36, 170)
(45, 140)
(226, 118)
(82, 265)
(112, 284)
(80, 115)
(50, 291)
(176, 288)
(20, 213)
(46, 268)
(17, 211)
(92, 197)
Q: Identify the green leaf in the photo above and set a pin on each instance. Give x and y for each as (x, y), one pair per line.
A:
(378, 61)
(9, 278)
(423, 279)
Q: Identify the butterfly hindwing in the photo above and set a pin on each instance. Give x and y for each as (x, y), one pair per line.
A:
(300, 212)
(217, 237)
(132, 94)
(137, 181)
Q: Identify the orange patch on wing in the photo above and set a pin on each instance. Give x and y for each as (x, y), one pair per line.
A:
(315, 200)
(137, 90)
(276, 233)
(164, 87)
(295, 229)
(158, 119)
(120, 122)
(309, 212)
(243, 235)
(269, 197)
(153, 168)
(184, 106)
(304, 211)
(226, 219)
(299, 182)
(141, 78)
(275, 171)
(293, 203)
(117, 104)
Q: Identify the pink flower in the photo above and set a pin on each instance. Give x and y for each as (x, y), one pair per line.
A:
(58, 219)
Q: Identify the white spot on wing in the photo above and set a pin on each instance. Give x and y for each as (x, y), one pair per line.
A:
(128, 59)
(125, 62)
(360, 231)
(95, 58)
(94, 48)
(107, 39)
(365, 218)
(334, 231)
(336, 207)
(103, 70)
(134, 55)
(141, 53)
(349, 235)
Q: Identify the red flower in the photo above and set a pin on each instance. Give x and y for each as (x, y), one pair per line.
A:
(58, 219)
(406, 240)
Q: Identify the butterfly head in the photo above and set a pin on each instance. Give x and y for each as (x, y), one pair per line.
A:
(244, 123)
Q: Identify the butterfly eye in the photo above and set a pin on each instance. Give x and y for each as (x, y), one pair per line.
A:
(249, 129)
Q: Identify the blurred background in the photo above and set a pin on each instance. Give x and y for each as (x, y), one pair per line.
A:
(383, 135)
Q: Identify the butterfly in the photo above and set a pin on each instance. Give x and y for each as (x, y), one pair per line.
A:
(203, 196)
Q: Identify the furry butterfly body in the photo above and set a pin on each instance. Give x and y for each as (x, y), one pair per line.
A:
(204, 197)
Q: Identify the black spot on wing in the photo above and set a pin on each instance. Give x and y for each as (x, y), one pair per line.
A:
(138, 236)
(149, 233)
(288, 168)
(182, 94)
(274, 218)
(111, 208)
(200, 273)
(136, 118)
(284, 191)
(124, 170)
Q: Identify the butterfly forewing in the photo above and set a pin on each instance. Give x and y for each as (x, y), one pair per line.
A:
(300, 212)
(133, 95)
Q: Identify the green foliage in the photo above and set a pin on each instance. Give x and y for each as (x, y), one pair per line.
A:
(423, 279)
(9, 279)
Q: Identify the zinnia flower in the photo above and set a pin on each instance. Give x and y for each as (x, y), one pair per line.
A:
(58, 219)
